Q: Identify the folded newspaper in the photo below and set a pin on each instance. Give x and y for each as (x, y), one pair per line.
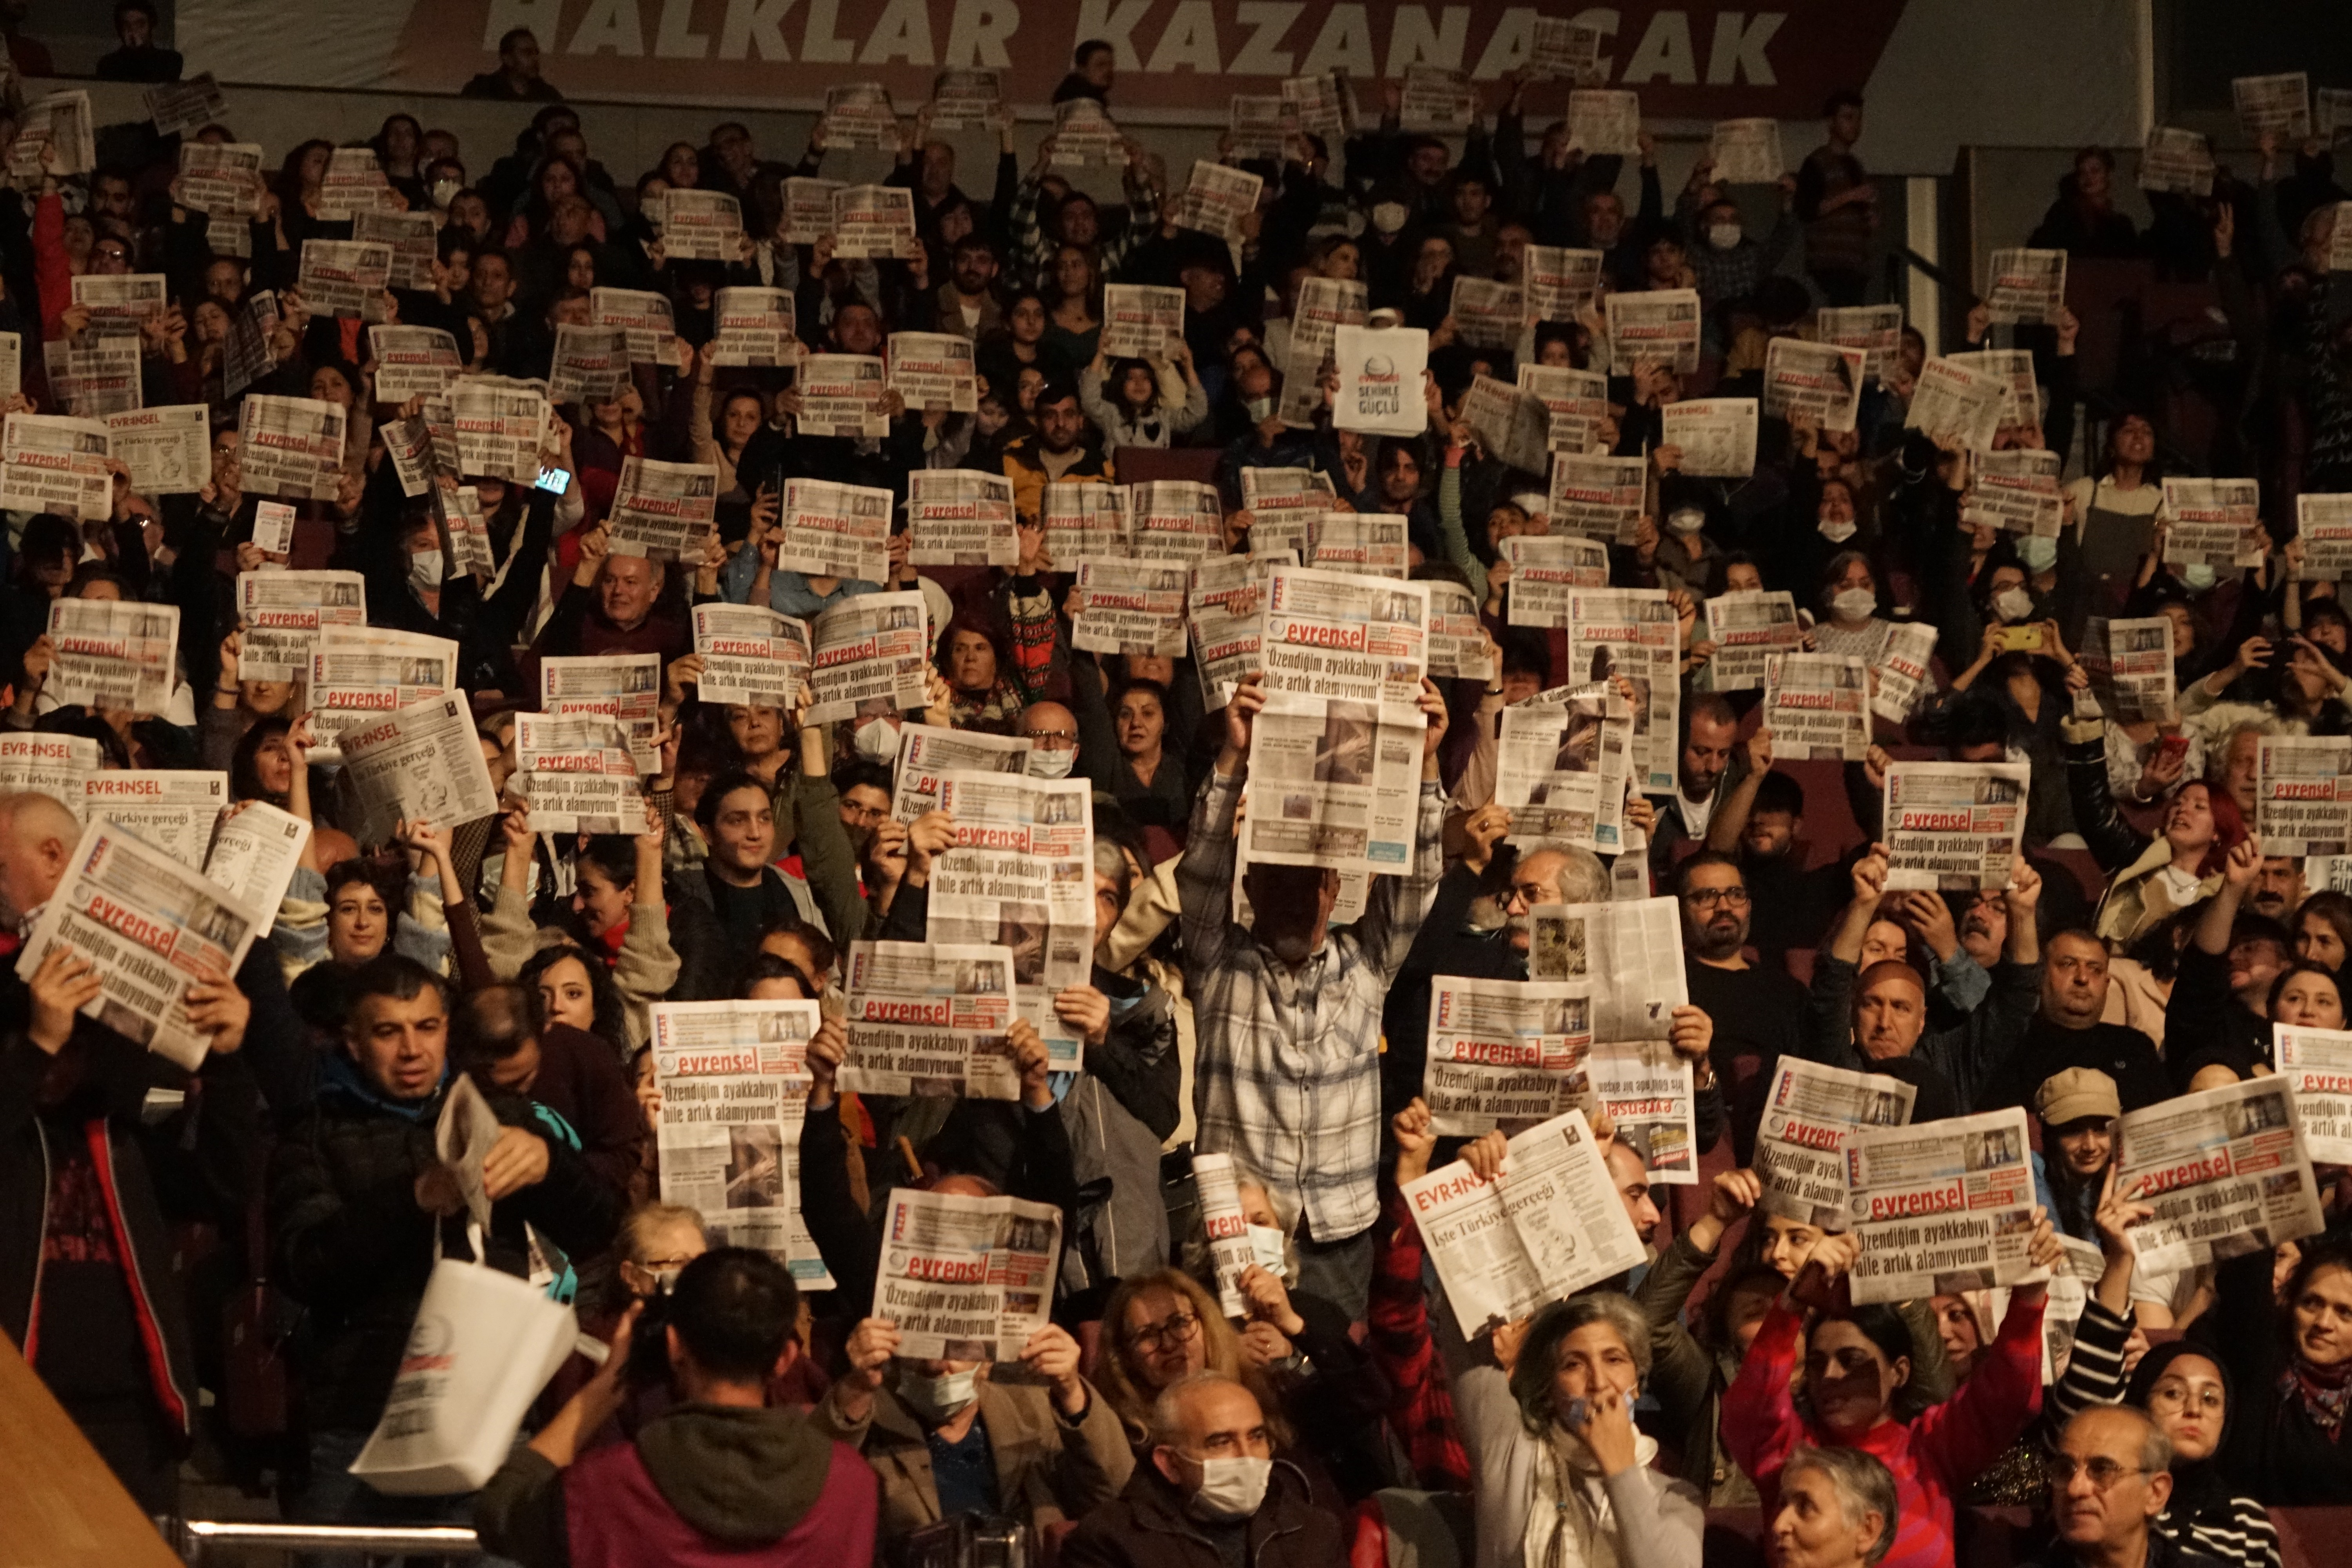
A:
(1810, 1117)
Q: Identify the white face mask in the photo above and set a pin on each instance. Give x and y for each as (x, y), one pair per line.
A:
(1837, 531)
(1053, 764)
(2012, 604)
(1723, 237)
(2038, 554)
(424, 571)
(938, 1399)
(1388, 216)
(1266, 1246)
(1232, 1487)
(2199, 576)
(1855, 604)
(1686, 520)
(444, 193)
(878, 741)
(1261, 409)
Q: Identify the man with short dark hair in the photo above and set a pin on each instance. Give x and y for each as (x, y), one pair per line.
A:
(1056, 454)
(1838, 204)
(721, 1470)
(140, 57)
(516, 78)
(2110, 1476)
(2068, 1032)
(504, 1039)
(1094, 65)
(967, 301)
(1759, 1013)
(1711, 766)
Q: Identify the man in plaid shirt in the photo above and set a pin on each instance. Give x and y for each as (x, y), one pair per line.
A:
(1288, 1012)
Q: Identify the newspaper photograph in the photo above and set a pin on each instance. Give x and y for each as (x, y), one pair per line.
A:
(2225, 1170)
(1558, 281)
(1660, 327)
(1747, 153)
(1875, 330)
(961, 517)
(870, 653)
(2302, 794)
(858, 114)
(1084, 518)
(751, 654)
(1576, 403)
(1953, 825)
(1955, 404)
(1487, 314)
(1437, 99)
(1324, 104)
(148, 924)
(345, 278)
(1716, 436)
(498, 430)
(2317, 1066)
(1083, 134)
(1545, 1226)
(112, 653)
(1810, 1119)
(422, 763)
(50, 462)
(873, 221)
(842, 395)
(412, 237)
(1505, 1054)
(1942, 1207)
(623, 687)
(734, 1084)
(1592, 497)
(223, 179)
(1175, 521)
(1513, 425)
(1548, 570)
(360, 674)
(1458, 648)
(1603, 122)
(2015, 491)
(1748, 630)
(2026, 285)
(701, 225)
(1120, 605)
(1333, 783)
(1630, 634)
(2177, 160)
(2213, 522)
(966, 1278)
(1563, 760)
(930, 1019)
(577, 775)
(59, 766)
(95, 375)
(1216, 199)
(1225, 618)
(1330, 633)
(255, 850)
(1325, 305)
(645, 316)
(2277, 105)
(169, 451)
(966, 100)
(1140, 320)
(754, 327)
(2324, 523)
(1563, 49)
(1902, 666)
(1817, 706)
(1368, 544)
(1651, 1094)
(413, 362)
(170, 809)
(933, 369)
(2130, 666)
(280, 616)
(927, 752)
(1020, 876)
(833, 530)
(1260, 126)
(590, 364)
(1819, 380)
(664, 511)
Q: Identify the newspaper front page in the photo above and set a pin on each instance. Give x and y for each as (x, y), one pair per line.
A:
(625, 687)
(1821, 380)
(1458, 648)
(2177, 160)
(360, 674)
(353, 184)
(95, 375)
(291, 447)
(2015, 491)
(255, 850)
(1175, 521)
(1747, 629)
(413, 238)
(1902, 666)
(54, 137)
(751, 654)
(1875, 330)
(1437, 99)
(1216, 199)
(2317, 1066)
(280, 616)
(842, 395)
(497, 428)
(2324, 523)
(577, 775)
(112, 653)
(1141, 321)
(966, 100)
(1334, 783)
(1956, 403)
(1120, 605)
(1576, 403)
(836, 530)
(1716, 436)
(1558, 281)
(858, 114)
(1810, 1117)
(590, 364)
(1084, 518)
(701, 225)
(2225, 1170)
(1224, 606)
(1942, 1207)
(2130, 666)
(50, 462)
(665, 511)
(1487, 314)
(2027, 286)
(1548, 570)
(2213, 522)
(1630, 634)
(58, 766)
(644, 315)
(1605, 123)
(1260, 125)
(423, 762)
(1563, 760)
(754, 327)
(345, 278)
(927, 752)
(413, 362)
(2302, 794)
(1660, 327)
(2277, 105)
(929, 1018)
(121, 304)
(1547, 1225)
(221, 179)
(1020, 876)
(1747, 153)
(1324, 104)
(1083, 134)
(1505, 1054)
(1564, 50)
(1816, 705)
(171, 809)
(1953, 825)
(933, 371)
(734, 1083)
(966, 1278)
(808, 208)
(169, 451)
(870, 653)
(873, 221)
(1325, 305)
(1360, 640)
(961, 517)
(151, 927)
(1282, 503)
(2020, 393)
(1368, 544)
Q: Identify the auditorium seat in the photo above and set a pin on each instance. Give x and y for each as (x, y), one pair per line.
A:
(1137, 465)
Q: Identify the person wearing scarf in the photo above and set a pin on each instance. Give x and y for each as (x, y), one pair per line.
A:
(2188, 1393)
(2288, 1355)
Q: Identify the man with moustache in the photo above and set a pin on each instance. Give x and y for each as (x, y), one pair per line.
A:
(1759, 1013)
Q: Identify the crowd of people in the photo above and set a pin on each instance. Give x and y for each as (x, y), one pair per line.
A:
(1345, 1415)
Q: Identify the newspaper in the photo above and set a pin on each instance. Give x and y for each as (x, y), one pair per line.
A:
(701, 225)
(1505, 1054)
(179, 107)
(1563, 760)
(933, 369)
(577, 774)
(858, 114)
(1487, 314)
(1652, 1096)
(52, 463)
(1953, 825)
(873, 221)
(1748, 630)
(53, 137)
(2177, 160)
(1660, 327)
(281, 615)
(2317, 1066)
(1225, 617)
(360, 674)
(246, 356)
(2026, 285)
(927, 753)
(1576, 404)
(112, 653)
(1547, 1225)
(835, 530)
(58, 766)
(228, 236)
(2339, 239)
(1821, 380)
(1902, 667)
(1281, 503)
(1632, 634)
(95, 375)
(753, 327)
(1457, 638)
(1513, 425)
(961, 517)
(751, 654)
(929, 1018)
(414, 240)
(2021, 394)
(1381, 374)
(2324, 523)
(1875, 330)
(353, 184)
(966, 1278)
(1369, 543)
(1083, 134)
(169, 451)
(966, 100)
(255, 850)
(808, 208)
(173, 810)
(1817, 706)
(1956, 403)
(1216, 199)
(2225, 1170)
(459, 511)
(2213, 522)
(1435, 98)
(1020, 876)
(1260, 126)
(413, 362)
(1563, 49)
(623, 687)
(590, 364)
(1630, 952)
(1602, 123)
(12, 363)
(665, 511)
(2278, 105)
(122, 303)
(869, 652)
(1810, 1116)
(842, 395)
(1334, 783)
(1547, 571)
(1360, 640)
(1747, 153)
(1122, 605)
(1084, 518)
(734, 1083)
(2332, 114)
(1325, 305)
(2015, 489)
(1558, 281)
(1180, 521)
(645, 316)
(1234, 1243)
(423, 762)
(1141, 321)
(2302, 794)
(147, 924)
(1324, 104)
(2130, 666)
(1942, 1207)
(498, 430)
(1716, 436)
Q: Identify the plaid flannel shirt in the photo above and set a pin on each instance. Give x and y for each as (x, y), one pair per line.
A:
(1288, 1073)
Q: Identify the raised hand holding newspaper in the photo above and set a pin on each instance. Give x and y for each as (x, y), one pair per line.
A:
(1940, 1207)
(1810, 1116)
(1505, 1054)
(1953, 825)
(966, 1278)
(255, 850)
(2225, 1170)
(171, 809)
(930, 1019)
(423, 762)
(462, 1138)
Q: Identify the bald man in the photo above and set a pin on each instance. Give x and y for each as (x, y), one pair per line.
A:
(1878, 1032)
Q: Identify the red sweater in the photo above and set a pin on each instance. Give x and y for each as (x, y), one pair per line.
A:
(1932, 1458)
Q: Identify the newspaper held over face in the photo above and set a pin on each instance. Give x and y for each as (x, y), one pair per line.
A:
(497, 428)
(1280, 502)
(1660, 327)
(1748, 630)
(255, 850)
(1902, 665)
(112, 653)
(1261, 125)
(577, 775)
(2277, 105)
(1216, 199)
(1953, 825)
(701, 225)
(966, 1278)
(2015, 491)
(1121, 606)
(361, 674)
(1576, 403)
(873, 221)
(1175, 521)
(2177, 160)
(1810, 1117)
(1563, 759)
(1547, 1225)
(422, 763)
(2317, 1065)
(1231, 1249)
(1437, 99)
(1875, 330)
(1487, 314)
(1651, 1094)
(413, 362)
(961, 517)
(590, 364)
(1334, 783)
(623, 687)
(58, 766)
(930, 1019)
(1325, 305)
(927, 752)
(95, 375)
(1632, 634)
(1955, 404)
(1458, 646)
(2225, 1170)
(1558, 281)
(664, 511)
(842, 395)
(2302, 794)
(1748, 152)
(413, 238)
(353, 184)
(1360, 640)
(750, 654)
(1140, 321)
(1513, 425)
(52, 463)
(53, 136)
(645, 316)
(1324, 105)
(120, 305)
(170, 809)
(808, 208)
(1717, 435)
(2130, 666)
(966, 100)
(1630, 952)
(1817, 706)
(247, 357)
(280, 616)
(836, 530)
(2213, 522)
(1019, 876)
(1085, 518)
(1547, 571)
(1382, 371)
(933, 371)
(2324, 523)
(1821, 380)
(1564, 50)
(1942, 1207)
(1225, 617)
(1505, 1054)
(183, 106)
(754, 327)
(169, 451)
(2027, 286)
(1083, 134)
(858, 114)
(868, 656)
(1369, 543)
(1605, 123)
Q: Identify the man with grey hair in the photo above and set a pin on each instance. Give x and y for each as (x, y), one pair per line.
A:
(2110, 1476)
(1837, 1511)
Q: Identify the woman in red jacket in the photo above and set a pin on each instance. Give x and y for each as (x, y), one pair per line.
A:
(1856, 1362)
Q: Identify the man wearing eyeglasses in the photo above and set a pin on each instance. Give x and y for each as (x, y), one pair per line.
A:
(1758, 1011)
(2111, 1475)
